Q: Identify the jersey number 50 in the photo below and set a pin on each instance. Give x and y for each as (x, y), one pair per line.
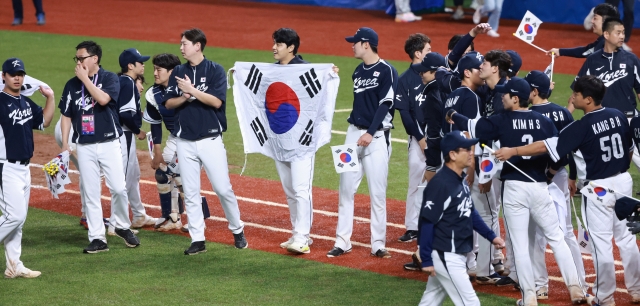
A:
(616, 144)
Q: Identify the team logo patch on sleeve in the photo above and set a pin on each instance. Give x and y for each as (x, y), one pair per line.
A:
(203, 79)
(623, 65)
(376, 73)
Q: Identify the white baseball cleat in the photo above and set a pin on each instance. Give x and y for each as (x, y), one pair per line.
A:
(143, 221)
(542, 293)
(286, 244)
(169, 225)
(477, 16)
(298, 248)
(458, 14)
(11, 272)
(407, 17)
(493, 33)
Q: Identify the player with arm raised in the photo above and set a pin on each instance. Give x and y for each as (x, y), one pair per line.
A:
(601, 142)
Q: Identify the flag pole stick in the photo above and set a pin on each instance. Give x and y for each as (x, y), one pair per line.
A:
(508, 162)
(543, 50)
(553, 56)
(594, 184)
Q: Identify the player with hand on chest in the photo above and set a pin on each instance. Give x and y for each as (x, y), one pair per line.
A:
(132, 65)
(447, 220)
(601, 142)
(374, 86)
(164, 161)
(561, 117)
(408, 100)
(198, 90)
(89, 103)
(20, 116)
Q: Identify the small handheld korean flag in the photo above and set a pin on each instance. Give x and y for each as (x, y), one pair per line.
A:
(528, 27)
(57, 173)
(489, 165)
(345, 158)
(150, 144)
(599, 194)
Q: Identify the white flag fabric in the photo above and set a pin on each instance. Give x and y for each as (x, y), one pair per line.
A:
(345, 158)
(150, 144)
(285, 111)
(528, 27)
(29, 86)
(489, 166)
(57, 173)
(599, 194)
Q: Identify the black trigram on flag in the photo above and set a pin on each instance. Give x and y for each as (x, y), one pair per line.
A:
(258, 129)
(305, 138)
(254, 78)
(583, 244)
(310, 82)
(25, 87)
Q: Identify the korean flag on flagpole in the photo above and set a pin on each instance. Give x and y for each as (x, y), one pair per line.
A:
(345, 158)
(528, 27)
(489, 166)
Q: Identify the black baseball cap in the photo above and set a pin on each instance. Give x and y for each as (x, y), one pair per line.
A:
(454, 141)
(364, 34)
(538, 80)
(131, 56)
(516, 61)
(516, 86)
(472, 60)
(13, 65)
(430, 62)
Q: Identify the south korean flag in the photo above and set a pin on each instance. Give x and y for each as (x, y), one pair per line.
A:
(345, 158)
(285, 111)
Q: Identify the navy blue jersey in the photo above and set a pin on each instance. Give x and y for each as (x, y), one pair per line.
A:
(514, 129)
(196, 120)
(447, 81)
(129, 109)
(635, 131)
(21, 116)
(447, 205)
(560, 116)
(493, 100)
(465, 102)
(296, 60)
(432, 110)
(619, 72)
(157, 113)
(373, 85)
(601, 141)
(582, 52)
(106, 121)
(408, 99)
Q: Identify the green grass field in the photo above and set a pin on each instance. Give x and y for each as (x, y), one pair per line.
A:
(158, 274)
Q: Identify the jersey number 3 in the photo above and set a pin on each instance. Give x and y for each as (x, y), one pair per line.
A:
(616, 145)
(527, 139)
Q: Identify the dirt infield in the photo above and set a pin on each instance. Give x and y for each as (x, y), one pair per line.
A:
(248, 25)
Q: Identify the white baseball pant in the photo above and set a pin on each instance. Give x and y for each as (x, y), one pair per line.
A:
(561, 179)
(58, 136)
(374, 162)
(417, 166)
(105, 156)
(451, 279)
(131, 174)
(487, 208)
(527, 204)
(603, 225)
(14, 204)
(297, 182)
(211, 154)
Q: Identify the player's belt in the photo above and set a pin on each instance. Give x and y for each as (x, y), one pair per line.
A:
(359, 127)
(19, 162)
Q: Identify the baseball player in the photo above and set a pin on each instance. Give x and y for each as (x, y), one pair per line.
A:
(525, 195)
(132, 65)
(560, 117)
(20, 117)
(601, 13)
(168, 181)
(601, 142)
(447, 220)
(197, 90)
(408, 99)
(89, 103)
(374, 84)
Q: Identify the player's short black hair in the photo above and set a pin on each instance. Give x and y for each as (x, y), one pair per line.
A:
(521, 102)
(500, 59)
(455, 39)
(195, 35)
(610, 23)
(92, 48)
(374, 49)
(447, 158)
(590, 86)
(542, 95)
(166, 60)
(606, 10)
(288, 37)
(415, 42)
(141, 78)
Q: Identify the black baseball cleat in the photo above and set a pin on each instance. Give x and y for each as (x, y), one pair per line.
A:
(130, 239)
(240, 241)
(408, 236)
(196, 247)
(96, 246)
(411, 267)
(381, 253)
(507, 281)
(336, 251)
